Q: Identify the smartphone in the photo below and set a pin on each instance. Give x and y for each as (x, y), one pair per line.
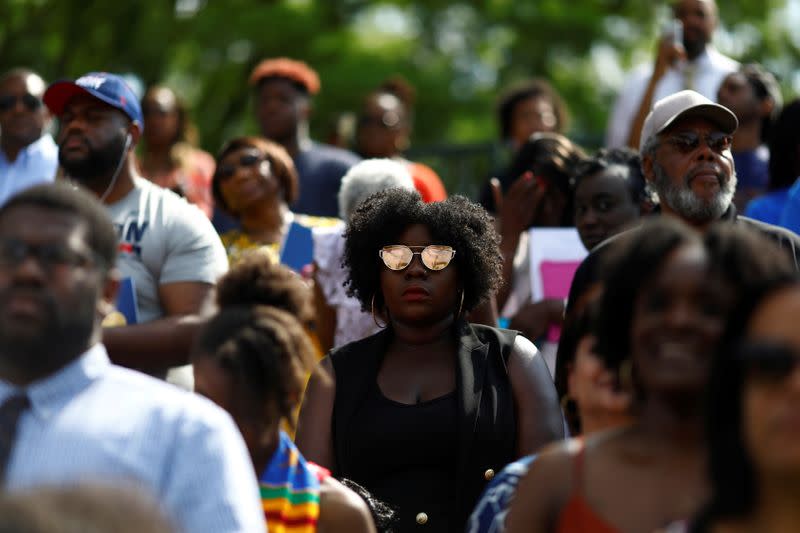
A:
(674, 29)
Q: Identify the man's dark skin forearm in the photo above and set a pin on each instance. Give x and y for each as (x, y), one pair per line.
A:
(166, 342)
(155, 346)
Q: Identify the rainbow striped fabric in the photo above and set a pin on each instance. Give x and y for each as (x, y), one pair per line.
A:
(290, 490)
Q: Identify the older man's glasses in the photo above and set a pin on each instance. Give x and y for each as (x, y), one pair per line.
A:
(399, 256)
(687, 142)
(227, 170)
(8, 101)
(13, 252)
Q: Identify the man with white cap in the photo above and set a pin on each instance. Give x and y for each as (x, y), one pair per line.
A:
(686, 157)
(687, 162)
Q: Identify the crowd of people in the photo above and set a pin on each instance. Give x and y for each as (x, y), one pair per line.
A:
(293, 336)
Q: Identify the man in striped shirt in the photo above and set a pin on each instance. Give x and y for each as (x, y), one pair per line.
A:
(69, 416)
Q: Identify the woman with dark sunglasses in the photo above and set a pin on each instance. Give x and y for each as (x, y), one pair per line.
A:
(754, 419)
(424, 412)
(256, 181)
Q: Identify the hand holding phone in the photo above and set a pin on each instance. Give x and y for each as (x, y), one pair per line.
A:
(675, 30)
(670, 48)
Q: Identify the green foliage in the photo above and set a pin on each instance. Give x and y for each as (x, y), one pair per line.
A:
(457, 54)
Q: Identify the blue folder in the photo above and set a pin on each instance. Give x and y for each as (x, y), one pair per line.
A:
(298, 248)
(126, 301)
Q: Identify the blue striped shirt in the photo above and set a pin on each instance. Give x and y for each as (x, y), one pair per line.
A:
(94, 421)
(36, 163)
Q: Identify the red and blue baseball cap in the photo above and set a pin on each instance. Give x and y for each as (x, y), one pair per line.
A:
(104, 86)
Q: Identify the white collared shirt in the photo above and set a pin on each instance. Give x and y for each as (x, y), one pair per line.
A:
(97, 422)
(36, 163)
(710, 68)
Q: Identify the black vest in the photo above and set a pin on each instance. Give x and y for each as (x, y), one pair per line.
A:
(487, 426)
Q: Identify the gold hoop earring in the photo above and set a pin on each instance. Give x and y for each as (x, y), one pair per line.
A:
(625, 374)
(374, 318)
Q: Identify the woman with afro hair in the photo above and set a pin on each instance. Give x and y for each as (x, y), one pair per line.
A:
(424, 412)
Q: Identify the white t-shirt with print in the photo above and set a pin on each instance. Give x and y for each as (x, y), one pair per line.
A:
(163, 239)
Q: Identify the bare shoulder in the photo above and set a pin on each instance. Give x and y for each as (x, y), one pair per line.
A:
(526, 359)
(555, 463)
(322, 382)
(540, 420)
(523, 347)
(343, 510)
(544, 490)
(313, 435)
(524, 350)
(325, 368)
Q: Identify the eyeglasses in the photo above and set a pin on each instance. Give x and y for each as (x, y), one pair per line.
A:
(8, 101)
(399, 256)
(13, 252)
(227, 170)
(688, 142)
(768, 362)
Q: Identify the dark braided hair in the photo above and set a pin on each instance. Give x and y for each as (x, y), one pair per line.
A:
(265, 351)
(255, 280)
(552, 156)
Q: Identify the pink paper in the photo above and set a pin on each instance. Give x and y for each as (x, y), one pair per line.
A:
(556, 280)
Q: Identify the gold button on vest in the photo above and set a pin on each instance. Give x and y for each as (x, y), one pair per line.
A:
(488, 475)
(422, 519)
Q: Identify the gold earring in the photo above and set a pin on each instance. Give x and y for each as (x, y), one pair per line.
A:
(625, 374)
(374, 318)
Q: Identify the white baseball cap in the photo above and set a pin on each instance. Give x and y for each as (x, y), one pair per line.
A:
(685, 104)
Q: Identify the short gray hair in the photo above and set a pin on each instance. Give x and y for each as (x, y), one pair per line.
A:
(368, 177)
(649, 148)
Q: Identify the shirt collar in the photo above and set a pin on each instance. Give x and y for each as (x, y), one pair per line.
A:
(43, 144)
(704, 59)
(730, 214)
(53, 392)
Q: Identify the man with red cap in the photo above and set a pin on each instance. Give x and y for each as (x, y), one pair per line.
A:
(167, 247)
(283, 90)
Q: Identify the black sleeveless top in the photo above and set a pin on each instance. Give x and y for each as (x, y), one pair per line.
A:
(406, 456)
(434, 457)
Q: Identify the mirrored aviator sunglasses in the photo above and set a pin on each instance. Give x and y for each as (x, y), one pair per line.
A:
(767, 362)
(434, 257)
